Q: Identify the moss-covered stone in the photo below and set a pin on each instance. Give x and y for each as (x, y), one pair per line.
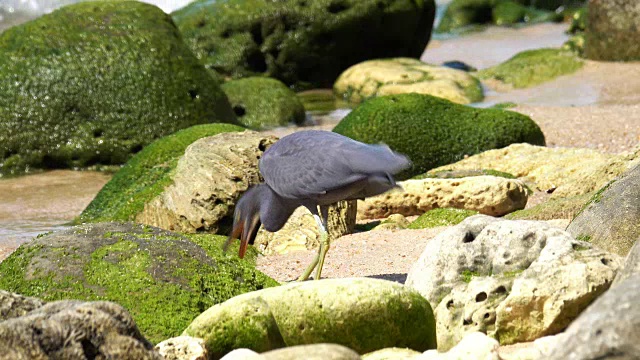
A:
(95, 82)
(262, 103)
(457, 174)
(362, 314)
(145, 175)
(405, 75)
(533, 67)
(441, 217)
(303, 43)
(554, 208)
(162, 278)
(432, 131)
(612, 30)
(464, 13)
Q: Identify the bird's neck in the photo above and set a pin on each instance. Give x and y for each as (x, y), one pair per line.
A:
(274, 210)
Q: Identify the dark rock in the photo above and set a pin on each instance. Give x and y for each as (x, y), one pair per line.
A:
(434, 132)
(610, 219)
(612, 30)
(304, 43)
(163, 278)
(15, 305)
(93, 83)
(74, 330)
(608, 329)
(459, 65)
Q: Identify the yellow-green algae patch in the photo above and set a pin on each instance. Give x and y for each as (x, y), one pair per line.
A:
(441, 217)
(163, 279)
(145, 176)
(362, 314)
(533, 67)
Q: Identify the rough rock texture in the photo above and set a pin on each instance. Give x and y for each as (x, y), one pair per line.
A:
(612, 31)
(513, 280)
(432, 131)
(263, 103)
(164, 279)
(74, 330)
(182, 348)
(441, 217)
(533, 67)
(207, 182)
(488, 195)
(312, 352)
(145, 176)
(608, 329)
(391, 354)
(475, 345)
(242, 354)
(611, 220)
(93, 83)
(362, 314)
(392, 222)
(305, 44)
(533, 350)
(567, 170)
(631, 264)
(15, 305)
(405, 75)
(301, 231)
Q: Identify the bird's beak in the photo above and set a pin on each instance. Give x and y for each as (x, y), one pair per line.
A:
(244, 230)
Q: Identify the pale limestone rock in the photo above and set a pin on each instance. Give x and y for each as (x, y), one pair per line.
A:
(513, 280)
(208, 180)
(360, 313)
(474, 346)
(405, 75)
(393, 222)
(182, 348)
(242, 354)
(312, 352)
(301, 230)
(488, 195)
(392, 354)
(570, 171)
(539, 349)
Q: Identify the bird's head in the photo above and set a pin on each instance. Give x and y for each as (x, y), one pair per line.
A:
(246, 219)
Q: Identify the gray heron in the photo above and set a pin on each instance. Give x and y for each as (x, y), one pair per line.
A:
(314, 169)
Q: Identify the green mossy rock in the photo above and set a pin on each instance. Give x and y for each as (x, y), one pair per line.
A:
(145, 176)
(462, 13)
(95, 82)
(533, 67)
(306, 44)
(163, 279)
(263, 103)
(441, 217)
(434, 132)
(362, 314)
(612, 30)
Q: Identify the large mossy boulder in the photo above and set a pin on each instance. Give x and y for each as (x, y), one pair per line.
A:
(303, 43)
(362, 314)
(93, 83)
(405, 75)
(263, 103)
(433, 131)
(612, 30)
(163, 279)
(463, 13)
(145, 176)
(533, 67)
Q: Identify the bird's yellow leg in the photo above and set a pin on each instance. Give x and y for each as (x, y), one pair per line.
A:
(310, 268)
(324, 247)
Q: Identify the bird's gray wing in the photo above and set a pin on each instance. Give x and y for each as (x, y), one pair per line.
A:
(307, 164)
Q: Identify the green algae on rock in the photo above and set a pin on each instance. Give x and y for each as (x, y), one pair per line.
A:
(305, 44)
(362, 314)
(95, 82)
(533, 67)
(405, 75)
(441, 217)
(163, 279)
(263, 103)
(145, 175)
(463, 13)
(433, 131)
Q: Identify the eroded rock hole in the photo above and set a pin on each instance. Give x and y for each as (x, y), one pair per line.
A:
(604, 261)
(337, 7)
(262, 146)
(481, 297)
(449, 304)
(239, 110)
(98, 133)
(256, 62)
(256, 34)
(468, 237)
(466, 322)
(500, 290)
(136, 149)
(193, 93)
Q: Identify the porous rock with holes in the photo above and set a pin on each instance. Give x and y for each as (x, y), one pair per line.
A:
(488, 195)
(514, 280)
